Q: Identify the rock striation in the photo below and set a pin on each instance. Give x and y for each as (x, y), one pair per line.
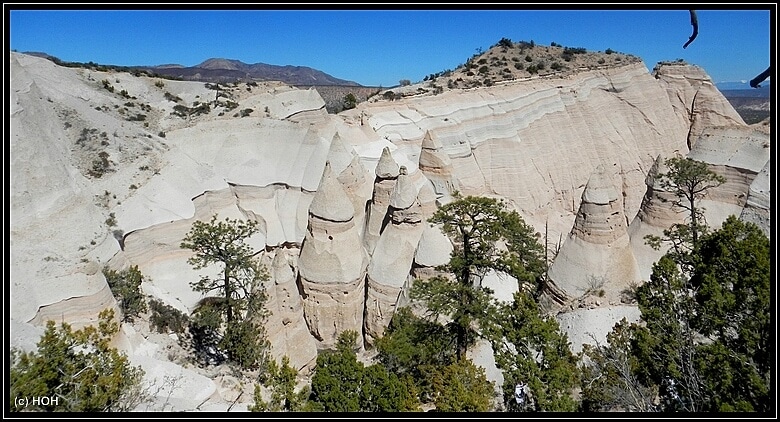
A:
(758, 206)
(655, 215)
(693, 95)
(579, 153)
(536, 142)
(737, 153)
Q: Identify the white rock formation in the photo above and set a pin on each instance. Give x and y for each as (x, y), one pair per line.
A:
(655, 215)
(359, 187)
(427, 198)
(591, 326)
(332, 264)
(90, 187)
(758, 207)
(737, 153)
(482, 356)
(503, 285)
(387, 171)
(597, 254)
(536, 142)
(286, 326)
(393, 257)
(693, 95)
(437, 166)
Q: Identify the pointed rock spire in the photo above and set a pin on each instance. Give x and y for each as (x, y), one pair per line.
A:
(354, 175)
(431, 156)
(331, 201)
(404, 193)
(280, 269)
(599, 189)
(658, 167)
(387, 167)
(429, 142)
(339, 154)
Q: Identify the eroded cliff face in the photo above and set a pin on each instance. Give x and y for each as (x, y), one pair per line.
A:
(537, 142)
(342, 227)
(692, 93)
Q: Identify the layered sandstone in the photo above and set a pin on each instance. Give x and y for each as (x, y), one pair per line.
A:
(437, 166)
(656, 214)
(737, 153)
(758, 207)
(535, 143)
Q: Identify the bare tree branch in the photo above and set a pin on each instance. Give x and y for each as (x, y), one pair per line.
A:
(695, 25)
(754, 83)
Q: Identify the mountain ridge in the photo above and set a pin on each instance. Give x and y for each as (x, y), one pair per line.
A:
(217, 69)
(222, 70)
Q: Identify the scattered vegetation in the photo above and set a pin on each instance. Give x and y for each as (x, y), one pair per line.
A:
(125, 285)
(350, 101)
(527, 60)
(107, 85)
(75, 371)
(172, 98)
(111, 220)
(702, 344)
(187, 112)
(343, 384)
(281, 380)
(167, 319)
(101, 165)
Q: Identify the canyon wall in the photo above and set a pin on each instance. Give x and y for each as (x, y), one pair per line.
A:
(342, 201)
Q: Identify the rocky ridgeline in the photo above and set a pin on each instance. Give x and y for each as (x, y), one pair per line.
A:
(342, 201)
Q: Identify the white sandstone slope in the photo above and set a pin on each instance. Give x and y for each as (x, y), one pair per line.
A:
(692, 93)
(737, 153)
(758, 207)
(114, 177)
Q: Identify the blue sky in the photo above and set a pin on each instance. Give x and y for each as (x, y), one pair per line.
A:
(380, 47)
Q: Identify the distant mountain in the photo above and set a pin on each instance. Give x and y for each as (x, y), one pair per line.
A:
(224, 70)
(763, 91)
(227, 70)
